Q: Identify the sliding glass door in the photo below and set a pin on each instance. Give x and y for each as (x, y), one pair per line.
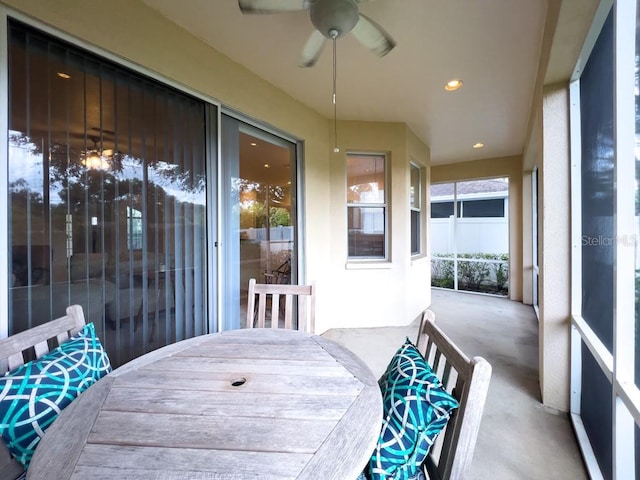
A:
(259, 220)
(107, 197)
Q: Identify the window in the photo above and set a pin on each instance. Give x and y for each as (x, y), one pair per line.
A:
(134, 228)
(366, 206)
(486, 198)
(598, 258)
(605, 169)
(482, 208)
(416, 209)
(442, 209)
(494, 207)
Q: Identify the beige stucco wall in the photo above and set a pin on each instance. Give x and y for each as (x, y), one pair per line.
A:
(530, 161)
(393, 295)
(394, 292)
(490, 168)
(554, 237)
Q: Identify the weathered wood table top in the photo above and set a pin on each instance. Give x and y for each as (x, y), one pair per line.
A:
(257, 403)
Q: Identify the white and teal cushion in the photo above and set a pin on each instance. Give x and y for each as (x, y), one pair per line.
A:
(415, 409)
(33, 395)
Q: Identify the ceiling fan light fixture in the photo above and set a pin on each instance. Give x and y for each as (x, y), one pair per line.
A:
(331, 19)
(95, 161)
(453, 85)
(96, 158)
(334, 19)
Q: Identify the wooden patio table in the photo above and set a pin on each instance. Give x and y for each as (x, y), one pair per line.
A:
(257, 403)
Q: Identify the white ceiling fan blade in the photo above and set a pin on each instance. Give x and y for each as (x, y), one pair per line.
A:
(272, 6)
(312, 49)
(372, 36)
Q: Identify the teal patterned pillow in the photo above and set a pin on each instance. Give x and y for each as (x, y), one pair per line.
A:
(32, 395)
(415, 409)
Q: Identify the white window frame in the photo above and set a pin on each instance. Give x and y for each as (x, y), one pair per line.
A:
(535, 178)
(384, 205)
(417, 196)
(134, 228)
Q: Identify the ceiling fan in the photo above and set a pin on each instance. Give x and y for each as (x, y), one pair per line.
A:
(96, 158)
(332, 19)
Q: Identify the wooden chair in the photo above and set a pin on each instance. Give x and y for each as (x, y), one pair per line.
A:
(29, 345)
(468, 381)
(282, 274)
(265, 292)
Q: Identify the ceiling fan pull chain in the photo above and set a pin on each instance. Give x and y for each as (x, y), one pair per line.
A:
(331, 19)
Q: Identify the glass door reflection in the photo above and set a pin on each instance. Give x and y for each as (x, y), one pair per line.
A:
(259, 171)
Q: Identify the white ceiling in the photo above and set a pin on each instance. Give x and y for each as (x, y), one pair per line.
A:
(492, 45)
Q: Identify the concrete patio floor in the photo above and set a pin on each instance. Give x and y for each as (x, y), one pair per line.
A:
(519, 438)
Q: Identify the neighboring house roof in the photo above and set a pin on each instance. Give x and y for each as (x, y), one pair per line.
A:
(493, 185)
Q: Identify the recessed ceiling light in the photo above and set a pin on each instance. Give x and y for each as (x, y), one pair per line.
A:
(478, 145)
(253, 144)
(266, 165)
(66, 76)
(452, 85)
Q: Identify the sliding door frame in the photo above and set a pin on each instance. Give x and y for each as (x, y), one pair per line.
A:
(299, 232)
(212, 108)
(4, 173)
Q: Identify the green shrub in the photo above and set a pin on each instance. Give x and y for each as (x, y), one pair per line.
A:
(472, 274)
(476, 276)
(442, 273)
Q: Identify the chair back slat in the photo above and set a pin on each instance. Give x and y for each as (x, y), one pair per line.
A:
(35, 341)
(275, 309)
(32, 344)
(14, 361)
(468, 381)
(41, 348)
(282, 303)
(288, 311)
(447, 372)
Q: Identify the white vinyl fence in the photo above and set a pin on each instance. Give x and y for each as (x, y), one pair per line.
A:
(479, 260)
(475, 235)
